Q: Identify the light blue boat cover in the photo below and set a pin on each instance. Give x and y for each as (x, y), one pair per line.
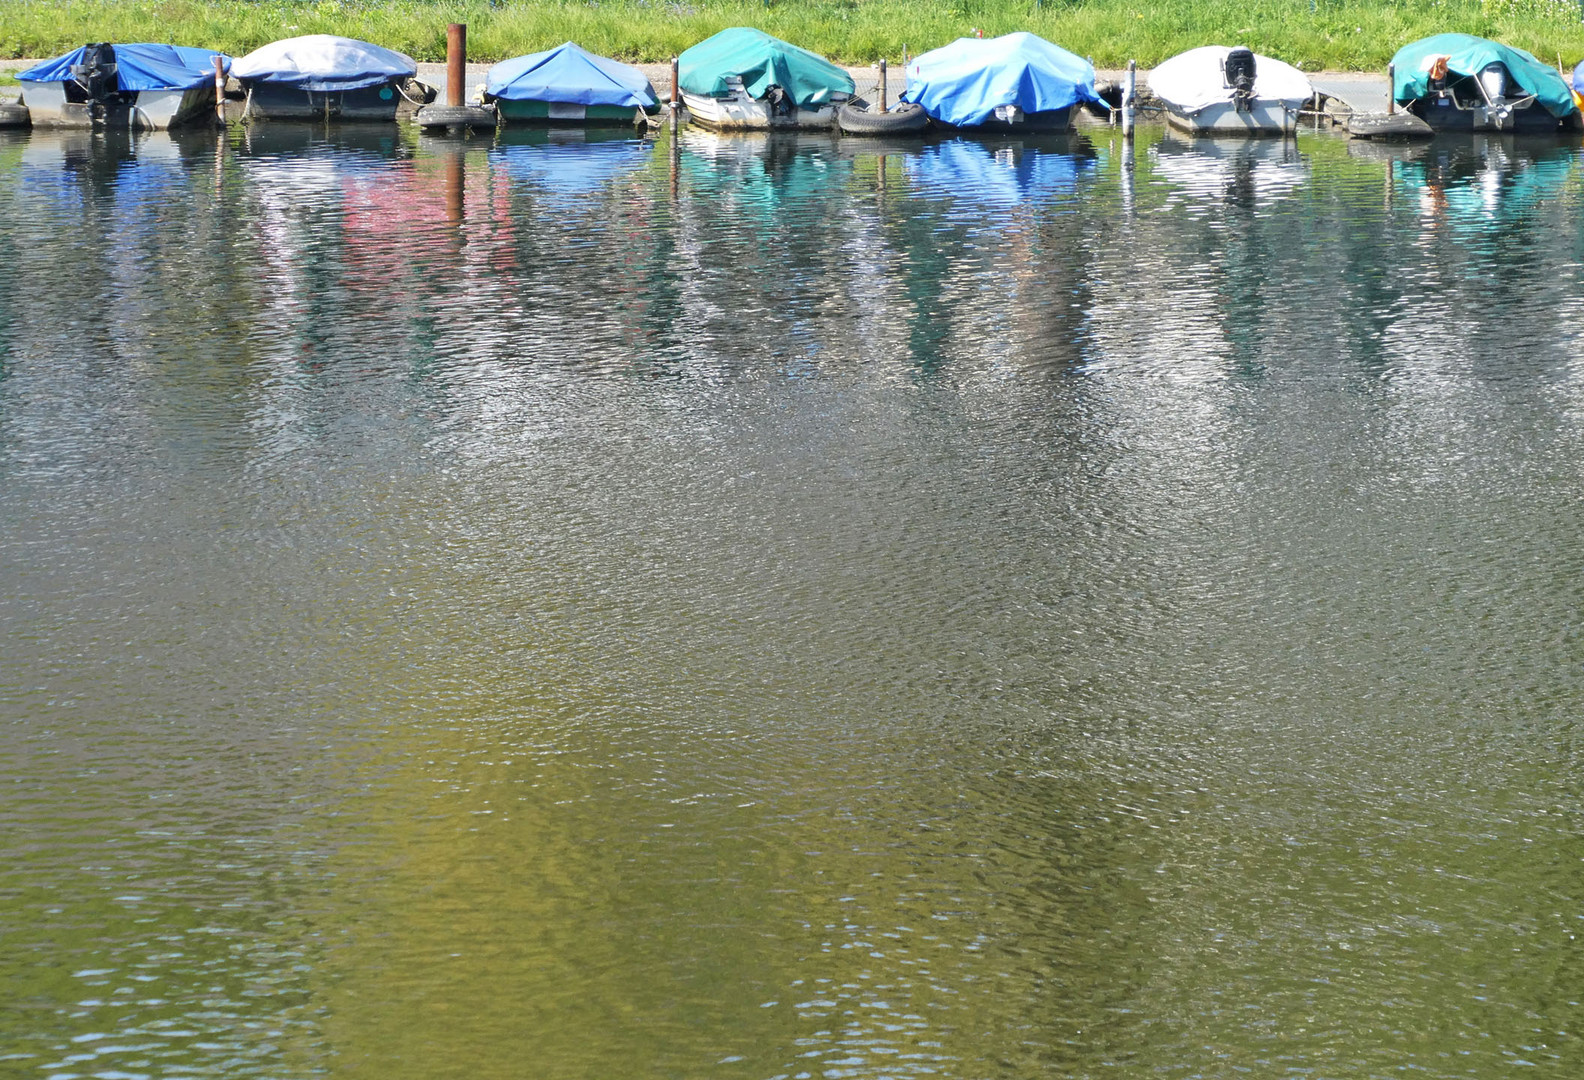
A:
(141, 67)
(963, 83)
(761, 61)
(1468, 55)
(324, 63)
(571, 75)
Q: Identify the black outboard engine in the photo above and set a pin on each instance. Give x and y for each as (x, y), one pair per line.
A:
(781, 103)
(95, 74)
(1237, 70)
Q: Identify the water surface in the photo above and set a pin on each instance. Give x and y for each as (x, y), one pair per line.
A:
(718, 607)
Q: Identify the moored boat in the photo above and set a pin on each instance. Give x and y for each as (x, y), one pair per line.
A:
(1216, 90)
(136, 86)
(323, 77)
(745, 80)
(1459, 82)
(568, 85)
(1016, 82)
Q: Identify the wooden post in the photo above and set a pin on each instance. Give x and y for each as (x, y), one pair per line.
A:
(1391, 89)
(220, 79)
(676, 91)
(882, 84)
(456, 64)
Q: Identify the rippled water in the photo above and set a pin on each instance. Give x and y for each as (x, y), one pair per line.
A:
(712, 607)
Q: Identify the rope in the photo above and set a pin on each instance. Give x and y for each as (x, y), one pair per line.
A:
(402, 90)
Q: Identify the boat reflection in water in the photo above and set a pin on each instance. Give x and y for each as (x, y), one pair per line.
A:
(991, 173)
(570, 164)
(1245, 172)
(1484, 181)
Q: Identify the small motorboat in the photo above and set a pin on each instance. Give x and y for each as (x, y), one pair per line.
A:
(139, 87)
(1216, 90)
(743, 79)
(1459, 82)
(323, 77)
(1016, 82)
(568, 85)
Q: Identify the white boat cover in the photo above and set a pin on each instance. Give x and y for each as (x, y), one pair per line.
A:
(324, 63)
(1192, 81)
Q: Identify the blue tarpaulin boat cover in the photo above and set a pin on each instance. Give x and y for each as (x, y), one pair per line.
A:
(324, 63)
(140, 67)
(571, 75)
(965, 82)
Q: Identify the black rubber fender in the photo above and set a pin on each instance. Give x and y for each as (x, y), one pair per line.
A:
(436, 116)
(905, 117)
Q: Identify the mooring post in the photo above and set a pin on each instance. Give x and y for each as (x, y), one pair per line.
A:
(1129, 88)
(220, 79)
(1391, 89)
(676, 92)
(456, 64)
(882, 84)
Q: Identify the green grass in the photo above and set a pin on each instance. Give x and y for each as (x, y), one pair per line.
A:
(1334, 34)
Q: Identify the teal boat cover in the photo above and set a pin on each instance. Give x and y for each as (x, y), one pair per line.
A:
(141, 67)
(1469, 55)
(963, 83)
(572, 75)
(761, 61)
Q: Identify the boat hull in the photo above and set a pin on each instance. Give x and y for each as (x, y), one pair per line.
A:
(747, 114)
(560, 112)
(1443, 114)
(1262, 118)
(49, 105)
(275, 101)
(1051, 120)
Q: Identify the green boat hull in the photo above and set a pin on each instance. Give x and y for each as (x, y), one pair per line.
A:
(557, 112)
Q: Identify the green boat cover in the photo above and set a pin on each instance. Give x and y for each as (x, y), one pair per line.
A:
(1469, 55)
(762, 62)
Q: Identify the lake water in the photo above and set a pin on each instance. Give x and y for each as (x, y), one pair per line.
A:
(711, 607)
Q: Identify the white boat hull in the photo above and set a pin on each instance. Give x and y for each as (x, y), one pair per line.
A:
(747, 114)
(149, 110)
(1262, 118)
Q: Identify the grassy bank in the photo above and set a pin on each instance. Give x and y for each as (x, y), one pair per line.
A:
(1327, 34)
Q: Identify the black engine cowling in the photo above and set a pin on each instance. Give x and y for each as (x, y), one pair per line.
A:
(95, 74)
(1238, 72)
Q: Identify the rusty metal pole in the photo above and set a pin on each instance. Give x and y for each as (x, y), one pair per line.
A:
(676, 95)
(882, 84)
(220, 80)
(456, 64)
(1391, 89)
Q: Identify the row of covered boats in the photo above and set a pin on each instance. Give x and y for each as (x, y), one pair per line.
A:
(743, 78)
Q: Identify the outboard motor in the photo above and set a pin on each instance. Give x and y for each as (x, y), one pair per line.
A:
(95, 74)
(1237, 71)
(781, 103)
